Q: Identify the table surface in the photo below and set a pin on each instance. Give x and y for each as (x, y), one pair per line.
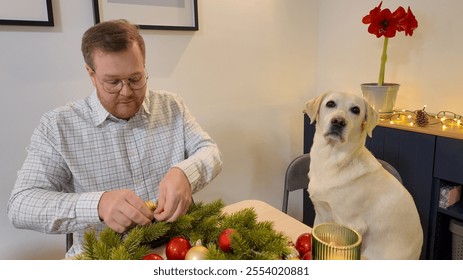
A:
(282, 222)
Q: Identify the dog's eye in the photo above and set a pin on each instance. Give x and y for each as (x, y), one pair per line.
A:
(355, 110)
(330, 104)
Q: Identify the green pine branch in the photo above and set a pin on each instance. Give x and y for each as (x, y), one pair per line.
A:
(204, 222)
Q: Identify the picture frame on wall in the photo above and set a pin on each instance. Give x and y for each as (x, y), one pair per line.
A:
(150, 14)
(26, 12)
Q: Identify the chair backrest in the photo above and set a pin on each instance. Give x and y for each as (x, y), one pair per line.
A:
(296, 177)
(391, 169)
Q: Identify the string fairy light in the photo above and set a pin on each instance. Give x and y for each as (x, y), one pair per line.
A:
(407, 117)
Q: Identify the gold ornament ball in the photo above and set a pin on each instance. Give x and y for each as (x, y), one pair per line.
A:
(198, 252)
(151, 205)
(293, 253)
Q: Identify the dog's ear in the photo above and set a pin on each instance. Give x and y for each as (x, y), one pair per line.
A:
(371, 119)
(313, 106)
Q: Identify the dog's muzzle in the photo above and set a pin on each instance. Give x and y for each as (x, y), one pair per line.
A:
(336, 129)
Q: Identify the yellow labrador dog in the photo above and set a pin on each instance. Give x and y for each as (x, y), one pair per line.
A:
(349, 186)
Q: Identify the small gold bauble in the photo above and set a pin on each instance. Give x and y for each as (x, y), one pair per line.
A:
(293, 253)
(197, 252)
(151, 205)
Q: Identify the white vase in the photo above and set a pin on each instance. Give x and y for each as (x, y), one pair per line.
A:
(381, 98)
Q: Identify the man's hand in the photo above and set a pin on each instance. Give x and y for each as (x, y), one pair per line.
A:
(174, 197)
(122, 209)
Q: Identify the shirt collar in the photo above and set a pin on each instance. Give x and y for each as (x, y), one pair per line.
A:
(100, 114)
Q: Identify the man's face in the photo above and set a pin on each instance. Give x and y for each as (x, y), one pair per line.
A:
(110, 71)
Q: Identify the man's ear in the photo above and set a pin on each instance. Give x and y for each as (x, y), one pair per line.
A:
(89, 69)
(313, 106)
(371, 119)
(91, 74)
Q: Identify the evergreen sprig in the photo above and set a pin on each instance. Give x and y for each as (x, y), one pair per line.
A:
(205, 222)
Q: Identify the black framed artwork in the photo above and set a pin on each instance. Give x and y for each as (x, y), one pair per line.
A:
(150, 14)
(26, 12)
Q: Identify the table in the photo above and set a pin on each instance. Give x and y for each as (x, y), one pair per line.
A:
(265, 212)
(282, 222)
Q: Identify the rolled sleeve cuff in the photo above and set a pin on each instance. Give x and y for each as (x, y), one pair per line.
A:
(191, 172)
(87, 207)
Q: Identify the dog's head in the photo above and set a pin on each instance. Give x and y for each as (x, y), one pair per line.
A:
(339, 115)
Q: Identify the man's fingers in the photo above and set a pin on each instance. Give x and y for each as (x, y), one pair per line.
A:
(122, 209)
(176, 209)
(166, 212)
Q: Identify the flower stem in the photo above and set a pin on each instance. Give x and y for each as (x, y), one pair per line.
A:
(383, 62)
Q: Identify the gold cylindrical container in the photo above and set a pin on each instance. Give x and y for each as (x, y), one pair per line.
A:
(331, 241)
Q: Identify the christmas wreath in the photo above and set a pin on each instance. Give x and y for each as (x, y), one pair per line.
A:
(248, 239)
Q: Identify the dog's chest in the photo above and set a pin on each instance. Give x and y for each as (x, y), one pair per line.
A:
(327, 176)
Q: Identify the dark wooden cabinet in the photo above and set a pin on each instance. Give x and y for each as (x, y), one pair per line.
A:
(448, 170)
(412, 154)
(426, 162)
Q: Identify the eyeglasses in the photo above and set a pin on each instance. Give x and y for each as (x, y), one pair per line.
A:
(116, 85)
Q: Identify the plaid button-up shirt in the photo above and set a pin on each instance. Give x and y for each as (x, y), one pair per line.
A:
(80, 150)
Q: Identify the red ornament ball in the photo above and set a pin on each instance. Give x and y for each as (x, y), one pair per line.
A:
(225, 239)
(177, 248)
(153, 257)
(304, 243)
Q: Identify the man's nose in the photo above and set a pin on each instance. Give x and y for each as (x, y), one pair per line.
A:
(126, 89)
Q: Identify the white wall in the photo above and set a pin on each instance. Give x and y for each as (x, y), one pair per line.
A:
(245, 75)
(427, 65)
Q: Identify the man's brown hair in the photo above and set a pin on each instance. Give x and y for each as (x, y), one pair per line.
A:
(110, 36)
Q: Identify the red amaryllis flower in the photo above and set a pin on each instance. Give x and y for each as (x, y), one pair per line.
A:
(373, 13)
(384, 23)
(407, 23)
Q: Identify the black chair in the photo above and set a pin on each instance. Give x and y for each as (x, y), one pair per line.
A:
(69, 241)
(296, 177)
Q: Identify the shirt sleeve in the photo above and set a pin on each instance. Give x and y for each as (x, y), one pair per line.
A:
(203, 160)
(42, 198)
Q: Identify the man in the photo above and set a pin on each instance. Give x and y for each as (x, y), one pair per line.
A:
(95, 162)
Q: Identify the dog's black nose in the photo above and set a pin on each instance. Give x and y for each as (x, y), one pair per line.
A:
(338, 122)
